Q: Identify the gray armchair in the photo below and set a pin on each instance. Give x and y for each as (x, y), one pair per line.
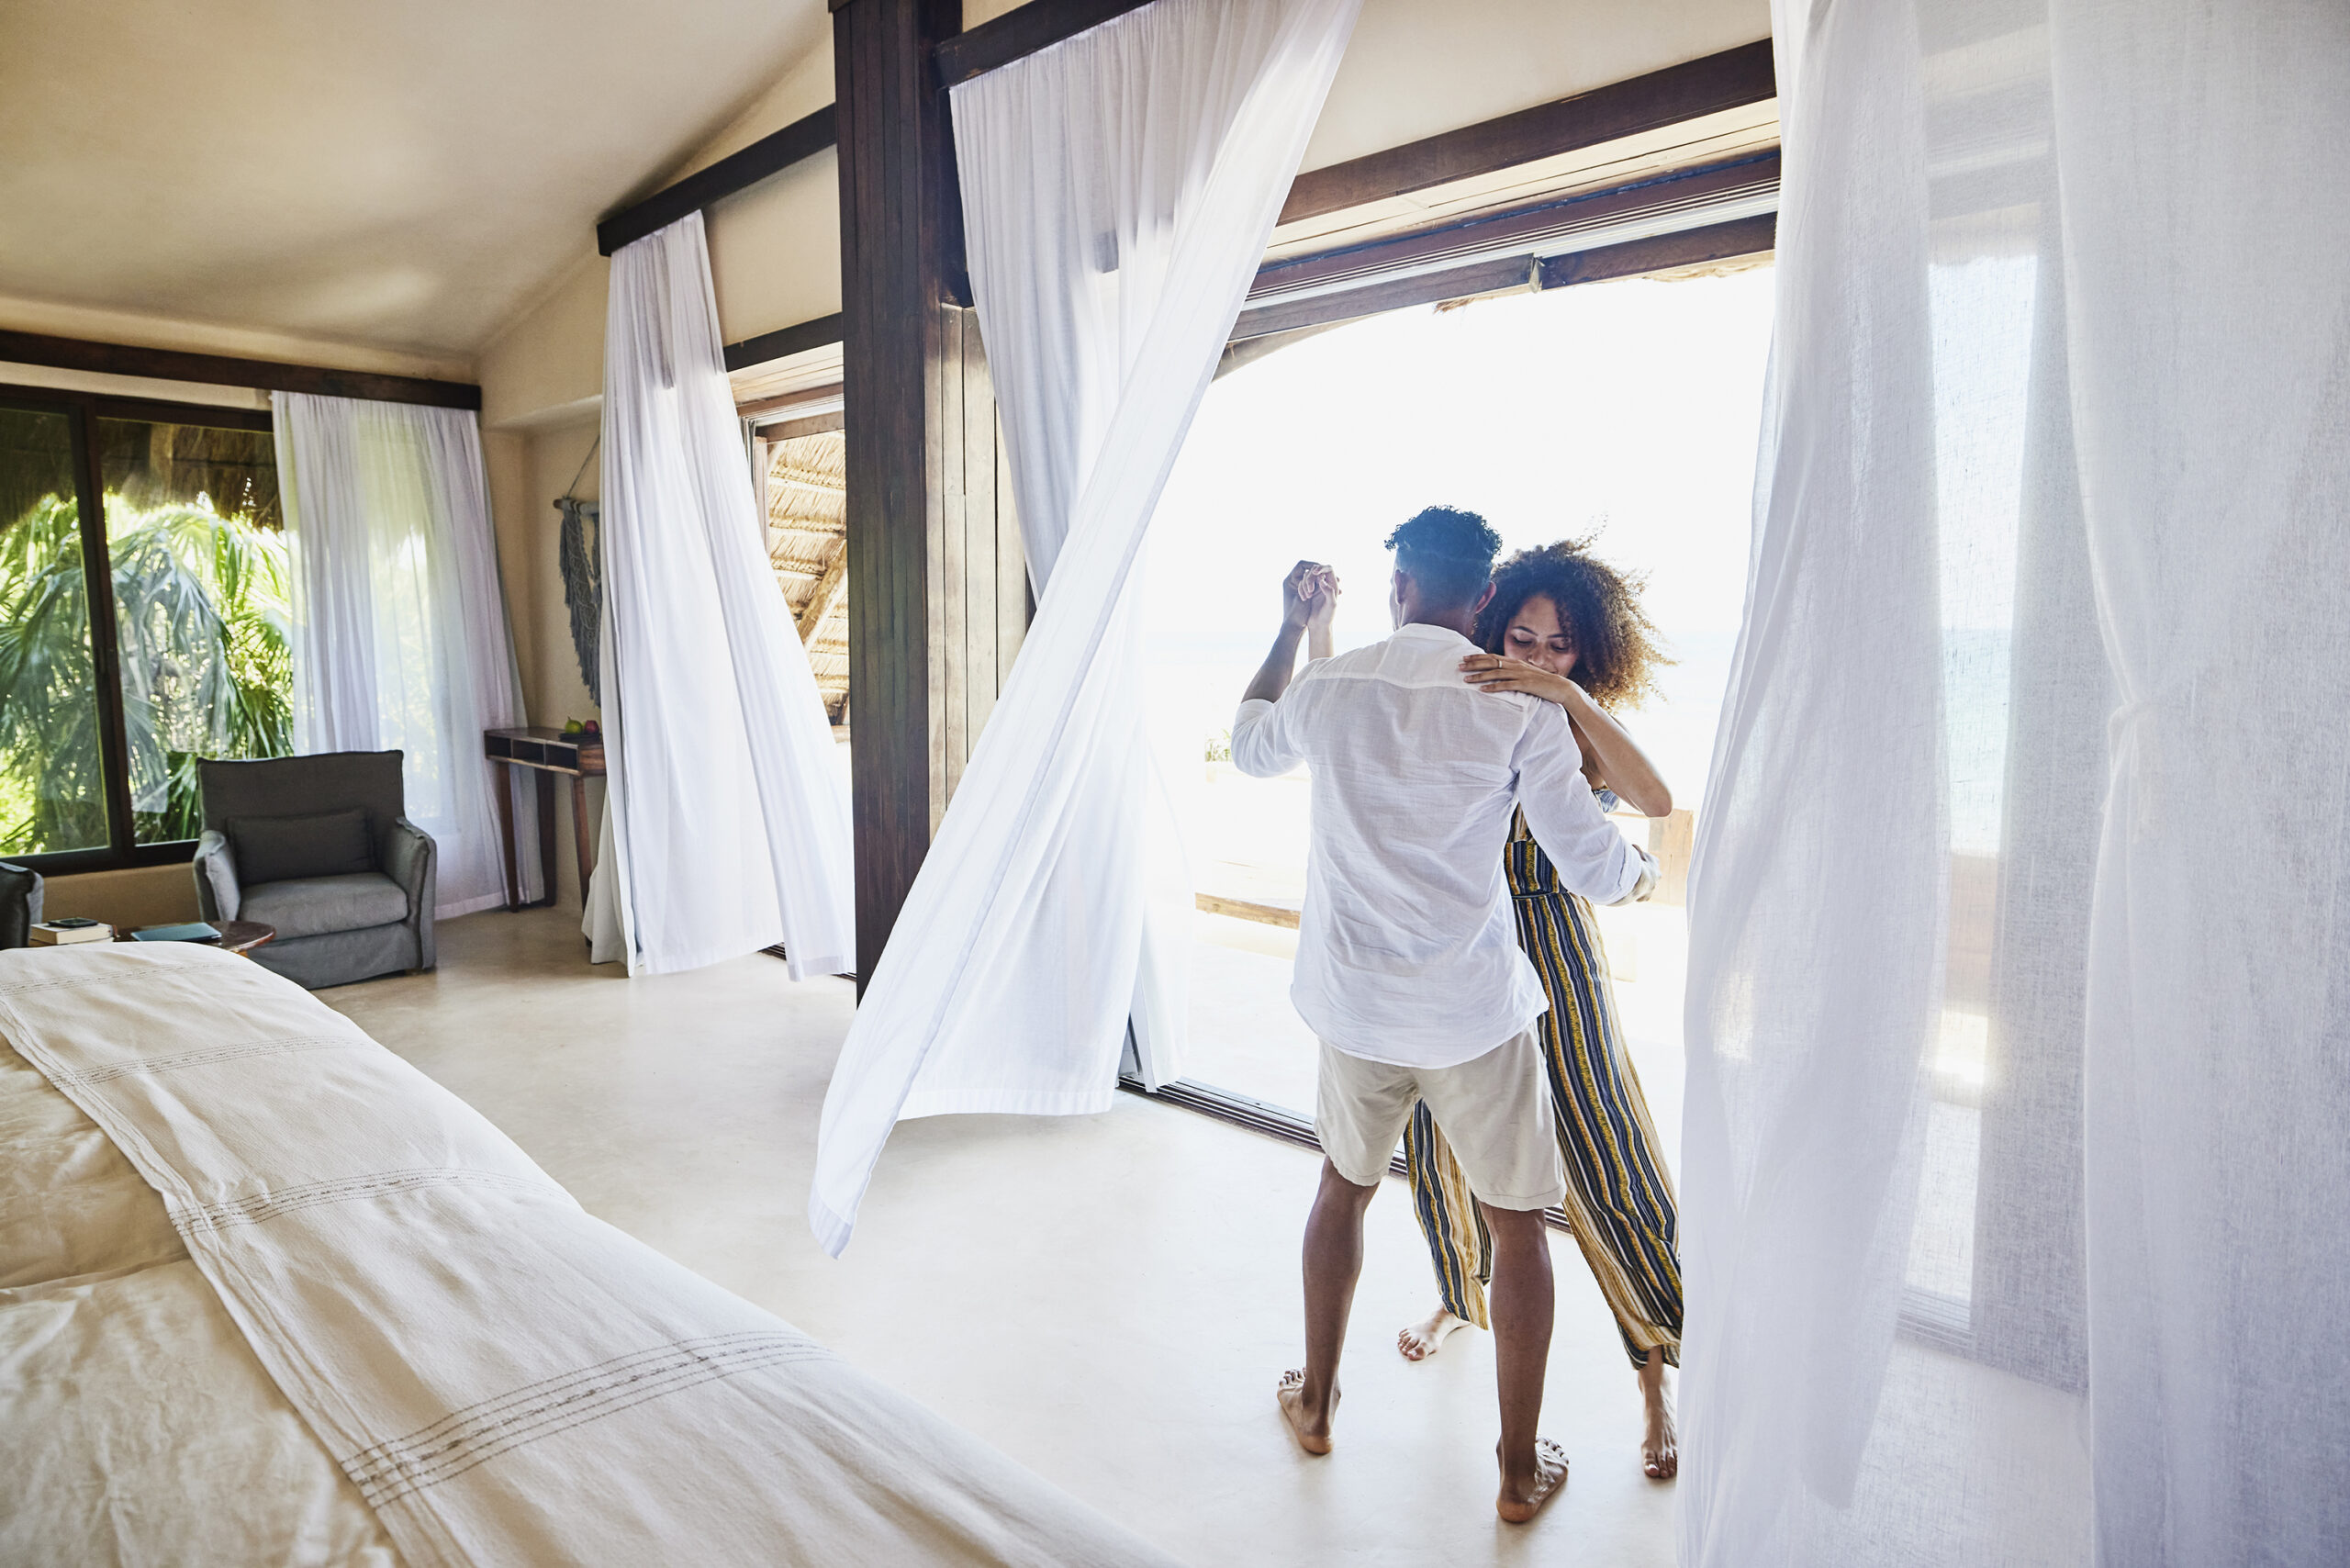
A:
(318, 846)
(20, 898)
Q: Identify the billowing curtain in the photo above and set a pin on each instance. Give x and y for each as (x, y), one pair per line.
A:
(399, 637)
(2019, 1019)
(727, 819)
(1118, 190)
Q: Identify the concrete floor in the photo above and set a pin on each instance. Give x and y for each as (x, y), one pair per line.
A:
(1109, 1299)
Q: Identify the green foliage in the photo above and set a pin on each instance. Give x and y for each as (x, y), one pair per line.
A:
(202, 618)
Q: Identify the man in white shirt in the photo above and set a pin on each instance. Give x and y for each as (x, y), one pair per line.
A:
(1408, 968)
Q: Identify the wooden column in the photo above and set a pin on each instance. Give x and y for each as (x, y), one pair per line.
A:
(929, 511)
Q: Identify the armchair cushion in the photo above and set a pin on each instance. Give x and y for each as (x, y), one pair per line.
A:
(322, 843)
(314, 906)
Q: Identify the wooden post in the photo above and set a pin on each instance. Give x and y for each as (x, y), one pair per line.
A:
(931, 543)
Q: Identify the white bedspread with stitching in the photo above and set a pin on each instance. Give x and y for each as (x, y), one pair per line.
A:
(361, 1327)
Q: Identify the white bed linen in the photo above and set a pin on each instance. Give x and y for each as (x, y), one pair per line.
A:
(503, 1378)
(135, 1424)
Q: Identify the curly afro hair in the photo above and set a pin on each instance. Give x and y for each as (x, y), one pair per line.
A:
(1617, 652)
(1449, 550)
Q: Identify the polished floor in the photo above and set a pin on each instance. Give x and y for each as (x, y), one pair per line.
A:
(1108, 1298)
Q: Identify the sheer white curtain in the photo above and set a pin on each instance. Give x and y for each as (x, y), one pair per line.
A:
(1118, 190)
(2019, 1002)
(727, 819)
(400, 640)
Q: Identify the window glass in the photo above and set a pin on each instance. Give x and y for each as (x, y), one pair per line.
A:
(52, 790)
(201, 607)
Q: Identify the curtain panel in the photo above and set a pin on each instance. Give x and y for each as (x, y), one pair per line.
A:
(1118, 192)
(2019, 1019)
(400, 638)
(726, 810)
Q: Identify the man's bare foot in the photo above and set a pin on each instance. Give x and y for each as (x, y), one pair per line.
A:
(1424, 1338)
(1521, 1501)
(1312, 1431)
(1659, 1443)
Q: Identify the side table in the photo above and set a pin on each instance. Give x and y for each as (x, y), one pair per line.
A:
(244, 935)
(546, 753)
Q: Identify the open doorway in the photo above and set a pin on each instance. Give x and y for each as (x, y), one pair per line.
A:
(1625, 410)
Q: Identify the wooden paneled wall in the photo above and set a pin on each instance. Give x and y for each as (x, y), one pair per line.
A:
(978, 575)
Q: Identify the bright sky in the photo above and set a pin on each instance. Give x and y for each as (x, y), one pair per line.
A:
(1631, 407)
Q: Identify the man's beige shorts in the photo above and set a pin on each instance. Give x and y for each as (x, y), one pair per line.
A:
(1495, 1110)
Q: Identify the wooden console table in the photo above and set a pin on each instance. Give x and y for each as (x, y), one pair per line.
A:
(547, 753)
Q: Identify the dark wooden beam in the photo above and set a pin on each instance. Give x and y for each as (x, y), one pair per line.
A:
(1686, 247)
(736, 172)
(784, 342)
(1040, 24)
(219, 370)
(150, 410)
(1729, 80)
(1689, 247)
(1523, 229)
(787, 400)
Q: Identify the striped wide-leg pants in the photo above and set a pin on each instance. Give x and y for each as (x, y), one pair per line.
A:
(1619, 1195)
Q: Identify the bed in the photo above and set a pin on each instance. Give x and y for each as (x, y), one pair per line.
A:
(270, 1296)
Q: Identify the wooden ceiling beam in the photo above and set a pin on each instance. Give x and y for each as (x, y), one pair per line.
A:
(1039, 24)
(783, 343)
(735, 173)
(1544, 226)
(1731, 78)
(220, 370)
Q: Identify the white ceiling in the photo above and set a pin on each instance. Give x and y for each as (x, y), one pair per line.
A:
(405, 173)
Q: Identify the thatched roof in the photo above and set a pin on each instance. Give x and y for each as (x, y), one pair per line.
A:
(148, 464)
(152, 465)
(807, 500)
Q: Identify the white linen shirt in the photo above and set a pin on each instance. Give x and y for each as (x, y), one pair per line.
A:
(1407, 952)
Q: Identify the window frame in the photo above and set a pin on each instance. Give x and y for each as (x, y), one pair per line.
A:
(122, 850)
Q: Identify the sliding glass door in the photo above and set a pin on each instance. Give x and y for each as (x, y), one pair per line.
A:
(144, 611)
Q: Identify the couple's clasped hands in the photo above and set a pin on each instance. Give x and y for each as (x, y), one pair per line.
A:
(1309, 596)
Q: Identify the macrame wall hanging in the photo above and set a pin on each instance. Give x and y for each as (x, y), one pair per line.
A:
(583, 581)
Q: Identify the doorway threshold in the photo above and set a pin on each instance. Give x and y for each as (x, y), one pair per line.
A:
(1260, 1116)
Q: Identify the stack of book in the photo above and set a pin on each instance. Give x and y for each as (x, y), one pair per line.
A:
(61, 932)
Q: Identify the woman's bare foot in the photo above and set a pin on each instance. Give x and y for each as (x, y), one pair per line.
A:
(1659, 1443)
(1424, 1338)
(1520, 1501)
(1311, 1429)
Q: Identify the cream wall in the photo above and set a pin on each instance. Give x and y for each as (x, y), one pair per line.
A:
(528, 469)
(773, 260)
(1418, 67)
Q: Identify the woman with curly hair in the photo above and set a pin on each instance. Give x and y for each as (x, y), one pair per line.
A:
(1565, 626)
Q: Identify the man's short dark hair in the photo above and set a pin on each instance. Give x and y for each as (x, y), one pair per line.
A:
(1449, 551)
